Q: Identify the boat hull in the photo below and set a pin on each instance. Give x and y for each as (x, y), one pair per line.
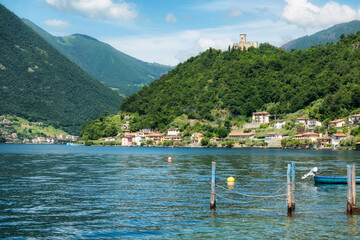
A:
(333, 180)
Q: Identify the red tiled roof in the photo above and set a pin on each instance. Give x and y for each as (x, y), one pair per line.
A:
(260, 113)
(240, 134)
(310, 134)
(280, 120)
(274, 133)
(300, 118)
(337, 120)
(339, 135)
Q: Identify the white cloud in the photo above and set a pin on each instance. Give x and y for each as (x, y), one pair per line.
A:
(170, 49)
(235, 11)
(58, 24)
(307, 15)
(97, 9)
(171, 18)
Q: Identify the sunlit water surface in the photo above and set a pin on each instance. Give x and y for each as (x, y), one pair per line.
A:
(62, 192)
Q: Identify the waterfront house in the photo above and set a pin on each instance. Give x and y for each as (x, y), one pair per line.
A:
(336, 137)
(273, 135)
(323, 141)
(260, 117)
(156, 137)
(354, 119)
(235, 135)
(173, 138)
(338, 123)
(196, 138)
(279, 123)
(215, 139)
(128, 139)
(307, 135)
(173, 132)
(62, 137)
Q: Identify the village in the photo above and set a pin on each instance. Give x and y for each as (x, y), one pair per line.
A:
(14, 131)
(260, 132)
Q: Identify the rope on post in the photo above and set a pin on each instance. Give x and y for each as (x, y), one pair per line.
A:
(255, 196)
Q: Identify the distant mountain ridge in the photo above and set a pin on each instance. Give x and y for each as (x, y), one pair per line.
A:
(323, 37)
(38, 83)
(115, 69)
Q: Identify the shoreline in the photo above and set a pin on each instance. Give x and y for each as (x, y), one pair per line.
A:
(345, 148)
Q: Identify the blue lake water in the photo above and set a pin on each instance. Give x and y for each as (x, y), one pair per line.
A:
(67, 192)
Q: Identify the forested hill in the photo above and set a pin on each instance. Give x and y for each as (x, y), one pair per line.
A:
(257, 79)
(103, 62)
(39, 84)
(330, 35)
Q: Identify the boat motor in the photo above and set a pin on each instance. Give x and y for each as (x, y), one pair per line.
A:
(313, 172)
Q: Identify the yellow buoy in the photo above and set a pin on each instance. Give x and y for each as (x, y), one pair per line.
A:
(230, 181)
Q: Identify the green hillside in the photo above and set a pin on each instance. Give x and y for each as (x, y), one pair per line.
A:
(330, 35)
(266, 78)
(39, 84)
(103, 62)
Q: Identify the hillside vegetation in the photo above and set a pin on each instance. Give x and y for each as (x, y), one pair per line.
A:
(37, 83)
(115, 69)
(323, 78)
(330, 35)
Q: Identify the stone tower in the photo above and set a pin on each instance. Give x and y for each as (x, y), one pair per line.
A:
(243, 44)
(242, 38)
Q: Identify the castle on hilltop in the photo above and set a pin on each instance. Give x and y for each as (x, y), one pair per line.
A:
(243, 44)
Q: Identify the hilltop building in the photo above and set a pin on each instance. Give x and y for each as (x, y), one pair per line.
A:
(243, 44)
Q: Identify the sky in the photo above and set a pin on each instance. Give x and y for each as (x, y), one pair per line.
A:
(171, 31)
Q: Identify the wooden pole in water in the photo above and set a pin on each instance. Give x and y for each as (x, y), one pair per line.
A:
(288, 176)
(353, 184)
(293, 186)
(213, 194)
(349, 189)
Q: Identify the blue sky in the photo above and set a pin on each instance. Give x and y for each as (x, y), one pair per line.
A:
(169, 32)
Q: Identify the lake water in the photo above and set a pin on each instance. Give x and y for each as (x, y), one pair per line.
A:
(66, 192)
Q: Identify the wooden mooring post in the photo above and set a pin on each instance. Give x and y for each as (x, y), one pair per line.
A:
(351, 190)
(290, 188)
(293, 186)
(213, 179)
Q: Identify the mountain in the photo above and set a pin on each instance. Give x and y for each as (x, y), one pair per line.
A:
(325, 78)
(330, 35)
(103, 62)
(39, 84)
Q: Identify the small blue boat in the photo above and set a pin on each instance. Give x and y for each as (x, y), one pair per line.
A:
(333, 180)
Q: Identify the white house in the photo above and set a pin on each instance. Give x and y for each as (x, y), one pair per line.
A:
(354, 119)
(307, 135)
(336, 137)
(260, 117)
(173, 132)
(273, 135)
(235, 135)
(312, 123)
(279, 123)
(338, 123)
(300, 120)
